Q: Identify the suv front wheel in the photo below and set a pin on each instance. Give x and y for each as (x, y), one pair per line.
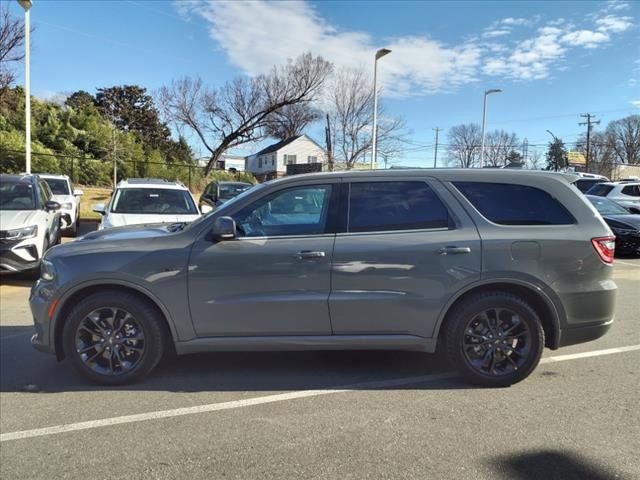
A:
(494, 339)
(113, 337)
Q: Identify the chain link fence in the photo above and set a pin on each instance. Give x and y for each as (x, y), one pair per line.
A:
(100, 172)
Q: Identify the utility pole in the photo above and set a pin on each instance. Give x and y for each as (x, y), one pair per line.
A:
(327, 136)
(588, 123)
(435, 154)
(113, 154)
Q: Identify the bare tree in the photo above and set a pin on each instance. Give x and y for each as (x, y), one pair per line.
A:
(350, 110)
(464, 145)
(624, 138)
(292, 120)
(11, 42)
(601, 153)
(498, 145)
(534, 160)
(239, 111)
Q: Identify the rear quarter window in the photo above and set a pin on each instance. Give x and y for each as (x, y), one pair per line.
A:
(600, 190)
(511, 204)
(633, 190)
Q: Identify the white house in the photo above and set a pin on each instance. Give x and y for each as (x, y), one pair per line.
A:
(232, 163)
(271, 162)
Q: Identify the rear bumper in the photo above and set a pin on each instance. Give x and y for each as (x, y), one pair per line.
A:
(582, 334)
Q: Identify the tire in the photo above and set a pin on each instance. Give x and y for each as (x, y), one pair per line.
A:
(113, 361)
(503, 353)
(73, 231)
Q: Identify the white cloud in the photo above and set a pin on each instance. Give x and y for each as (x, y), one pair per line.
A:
(498, 32)
(259, 34)
(616, 5)
(635, 103)
(585, 38)
(514, 21)
(613, 23)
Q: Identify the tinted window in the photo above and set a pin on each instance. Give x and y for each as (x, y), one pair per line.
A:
(16, 195)
(600, 190)
(230, 190)
(633, 190)
(58, 186)
(509, 204)
(153, 201)
(606, 206)
(378, 206)
(585, 184)
(295, 211)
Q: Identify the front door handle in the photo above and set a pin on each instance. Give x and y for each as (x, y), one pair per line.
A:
(308, 254)
(454, 250)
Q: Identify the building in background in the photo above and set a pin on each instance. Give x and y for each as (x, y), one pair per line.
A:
(271, 162)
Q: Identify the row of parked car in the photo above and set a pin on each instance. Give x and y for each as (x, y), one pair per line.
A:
(35, 210)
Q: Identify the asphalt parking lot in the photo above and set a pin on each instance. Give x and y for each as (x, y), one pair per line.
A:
(324, 414)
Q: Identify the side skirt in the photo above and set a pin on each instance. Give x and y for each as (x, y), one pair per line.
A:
(307, 342)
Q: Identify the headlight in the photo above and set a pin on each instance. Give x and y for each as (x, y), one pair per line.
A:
(21, 233)
(47, 270)
(67, 206)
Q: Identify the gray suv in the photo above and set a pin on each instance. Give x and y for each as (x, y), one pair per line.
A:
(488, 267)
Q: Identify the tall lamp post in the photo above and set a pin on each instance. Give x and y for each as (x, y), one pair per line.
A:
(374, 137)
(26, 4)
(484, 120)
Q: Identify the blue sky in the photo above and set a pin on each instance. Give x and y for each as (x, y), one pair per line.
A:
(554, 60)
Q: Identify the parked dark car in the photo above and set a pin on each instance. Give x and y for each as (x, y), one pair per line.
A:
(216, 193)
(625, 225)
(585, 183)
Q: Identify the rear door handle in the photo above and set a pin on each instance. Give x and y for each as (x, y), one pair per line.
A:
(454, 250)
(308, 254)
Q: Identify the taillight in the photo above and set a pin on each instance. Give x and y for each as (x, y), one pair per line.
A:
(605, 246)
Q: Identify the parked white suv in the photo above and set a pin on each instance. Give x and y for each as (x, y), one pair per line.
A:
(147, 200)
(68, 198)
(29, 222)
(625, 193)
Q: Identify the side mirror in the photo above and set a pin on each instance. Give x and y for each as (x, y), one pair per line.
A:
(78, 193)
(224, 228)
(99, 208)
(51, 206)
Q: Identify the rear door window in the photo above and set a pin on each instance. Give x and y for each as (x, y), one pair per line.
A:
(600, 190)
(510, 204)
(380, 206)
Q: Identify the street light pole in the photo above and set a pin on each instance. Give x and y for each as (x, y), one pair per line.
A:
(374, 137)
(484, 121)
(26, 4)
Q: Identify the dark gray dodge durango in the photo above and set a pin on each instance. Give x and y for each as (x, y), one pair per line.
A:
(486, 266)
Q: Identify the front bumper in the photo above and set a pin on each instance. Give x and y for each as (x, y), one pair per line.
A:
(628, 244)
(40, 302)
(18, 256)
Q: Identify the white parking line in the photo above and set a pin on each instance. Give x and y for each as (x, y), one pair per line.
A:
(214, 407)
(637, 265)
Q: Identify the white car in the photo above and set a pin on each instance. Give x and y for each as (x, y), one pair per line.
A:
(147, 200)
(29, 222)
(68, 198)
(625, 193)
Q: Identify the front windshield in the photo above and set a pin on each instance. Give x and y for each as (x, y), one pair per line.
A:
(58, 186)
(607, 207)
(163, 201)
(230, 190)
(16, 195)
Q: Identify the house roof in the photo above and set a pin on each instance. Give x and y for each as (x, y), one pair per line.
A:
(277, 146)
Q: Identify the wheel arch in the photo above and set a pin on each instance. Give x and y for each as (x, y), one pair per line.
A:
(71, 298)
(536, 297)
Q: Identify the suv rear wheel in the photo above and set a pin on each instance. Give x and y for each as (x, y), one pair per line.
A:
(494, 339)
(113, 337)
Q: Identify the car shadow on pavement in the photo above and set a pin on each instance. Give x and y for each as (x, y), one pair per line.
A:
(24, 369)
(551, 465)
